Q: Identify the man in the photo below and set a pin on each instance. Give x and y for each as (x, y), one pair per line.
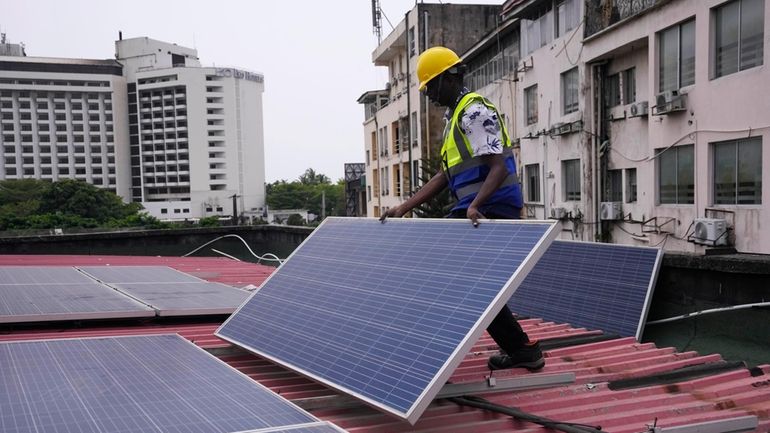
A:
(479, 169)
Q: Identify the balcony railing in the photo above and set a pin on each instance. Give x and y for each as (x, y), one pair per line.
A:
(601, 14)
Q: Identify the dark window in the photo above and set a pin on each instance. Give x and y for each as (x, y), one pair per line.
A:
(676, 56)
(739, 36)
(532, 172)
(738, 171)
(676, 175)
(571, 174)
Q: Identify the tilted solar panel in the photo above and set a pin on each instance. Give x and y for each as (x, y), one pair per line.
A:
(168, 291)
(132, 384)
(385, 312)
(592, 285)
(48, 293)
(319, 427)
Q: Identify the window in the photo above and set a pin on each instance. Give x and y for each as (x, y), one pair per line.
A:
(676, 178)
(630, 185)
(612, 91)
(571, 174)
(613, 188)
(738, 36)
(412, 48)
(567, 16)
(538, 29)
(413, 128)
(530, 98)
(676, 56)
(569, 91)
(532, 171)
(738, 171)
(629, 86)
(415, 173)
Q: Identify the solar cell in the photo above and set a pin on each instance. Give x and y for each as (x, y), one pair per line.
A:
(592, 285)
(385, 312)
(47, 293)
(168, 291)
(131, 384)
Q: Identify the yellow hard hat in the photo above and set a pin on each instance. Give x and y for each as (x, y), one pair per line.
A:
(433, 62)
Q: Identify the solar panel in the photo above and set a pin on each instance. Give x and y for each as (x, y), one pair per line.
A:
(168, 291)
(319, 427)
(47, 293)
(592, 285)
(132, 384)
(385, 312)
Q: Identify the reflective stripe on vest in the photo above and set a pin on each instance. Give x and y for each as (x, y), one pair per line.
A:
(457, 155)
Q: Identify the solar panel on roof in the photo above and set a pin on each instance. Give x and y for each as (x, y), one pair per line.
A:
(319, 427)
(385, 312)
(47, 293)
(592, 285)
(168, 291)
(132, 384)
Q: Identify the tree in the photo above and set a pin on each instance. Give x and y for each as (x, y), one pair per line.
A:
(79, 198)
(440, 205)
(310, 177)
(295, 219)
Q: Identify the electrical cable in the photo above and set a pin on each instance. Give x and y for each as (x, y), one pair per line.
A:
(518, 414)
(267, 256)
(689, 134)
(709, 311)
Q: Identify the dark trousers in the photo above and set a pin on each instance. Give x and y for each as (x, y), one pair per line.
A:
(504, 329)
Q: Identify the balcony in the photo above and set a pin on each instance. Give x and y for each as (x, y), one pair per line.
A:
(602, 14)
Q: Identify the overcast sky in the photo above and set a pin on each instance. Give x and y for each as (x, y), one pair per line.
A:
(315, 55)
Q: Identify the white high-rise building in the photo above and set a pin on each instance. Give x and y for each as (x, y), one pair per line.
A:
(154, 126)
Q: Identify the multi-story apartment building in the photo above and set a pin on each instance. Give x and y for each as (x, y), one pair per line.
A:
(154, 126)
(639, 122)
(61, 118)
(400, 125)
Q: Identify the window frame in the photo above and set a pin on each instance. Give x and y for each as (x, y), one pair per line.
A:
(660, 154)
(714, 38)
(566, 81)
(678, 84)
(532, 176)
(754, 141)
(530, 102)
(571, 175)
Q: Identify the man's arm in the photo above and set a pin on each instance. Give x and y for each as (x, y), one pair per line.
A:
(435, 185)
(495, 178)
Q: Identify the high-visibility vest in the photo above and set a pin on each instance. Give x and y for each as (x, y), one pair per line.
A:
(467, 173)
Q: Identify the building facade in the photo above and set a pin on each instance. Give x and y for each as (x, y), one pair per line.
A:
(401, 127)
(637, 122)
(154, 126)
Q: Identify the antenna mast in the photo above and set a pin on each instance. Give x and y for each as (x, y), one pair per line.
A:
(377, 20)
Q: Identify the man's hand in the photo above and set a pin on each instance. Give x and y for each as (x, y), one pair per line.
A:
(474, 215)
(395, 212)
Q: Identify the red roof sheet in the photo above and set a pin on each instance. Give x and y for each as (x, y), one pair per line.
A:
(723, 395)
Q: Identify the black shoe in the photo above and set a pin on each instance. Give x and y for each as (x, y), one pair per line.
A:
(529, 357)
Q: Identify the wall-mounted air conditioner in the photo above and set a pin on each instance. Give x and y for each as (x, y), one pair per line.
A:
(558, 213)
(638, 109)
(668, 102)
(561, 128)
(710, 231)
(611, 211)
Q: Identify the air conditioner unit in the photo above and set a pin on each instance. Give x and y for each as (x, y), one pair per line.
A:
(639, 109)
(611, 211)
(561, 128)
(558, 213)
(668, 102)
(710, 231)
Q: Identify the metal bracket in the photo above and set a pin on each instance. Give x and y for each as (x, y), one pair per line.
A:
(733, 425)
(513, 384)
(450, 390)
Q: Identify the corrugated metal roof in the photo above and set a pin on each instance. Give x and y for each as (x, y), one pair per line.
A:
(621, 385)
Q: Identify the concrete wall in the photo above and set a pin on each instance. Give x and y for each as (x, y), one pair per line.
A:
(726, 108)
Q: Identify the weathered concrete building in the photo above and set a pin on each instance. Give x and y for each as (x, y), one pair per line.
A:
(401, 126)
(638, 122)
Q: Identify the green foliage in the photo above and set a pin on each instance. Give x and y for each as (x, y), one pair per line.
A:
(440, 205)
(38, 204)
(295, 219)
(307, 193)
(212, 221)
